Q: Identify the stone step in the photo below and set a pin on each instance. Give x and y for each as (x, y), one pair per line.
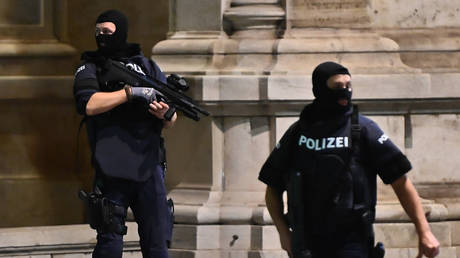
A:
(255, 10)
(205, 241)
(254, 2)
(59, 241)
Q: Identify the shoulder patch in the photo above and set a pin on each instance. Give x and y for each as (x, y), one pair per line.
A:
(135, 67)
(383, 138)
(81, 68)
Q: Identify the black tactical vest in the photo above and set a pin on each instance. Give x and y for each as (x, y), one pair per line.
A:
(328, 185)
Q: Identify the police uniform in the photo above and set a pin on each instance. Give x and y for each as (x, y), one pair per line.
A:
(128, 153)
(316, 150)
(328, 162)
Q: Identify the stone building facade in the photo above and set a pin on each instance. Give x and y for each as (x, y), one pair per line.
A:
(249, 62)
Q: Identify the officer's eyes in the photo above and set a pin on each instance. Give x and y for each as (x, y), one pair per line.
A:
(103, 31)
(340, 85)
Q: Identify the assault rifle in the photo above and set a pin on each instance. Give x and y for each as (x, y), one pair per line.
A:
(296, 215)
(170, 92)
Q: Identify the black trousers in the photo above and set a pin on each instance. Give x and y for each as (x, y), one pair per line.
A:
(149, 205)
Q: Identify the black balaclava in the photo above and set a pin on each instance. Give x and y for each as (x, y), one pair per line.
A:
(110, 45)
(326, 98)
(325, 107)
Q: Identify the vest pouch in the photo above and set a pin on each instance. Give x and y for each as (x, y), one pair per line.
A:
(363, 209)
(329, 195)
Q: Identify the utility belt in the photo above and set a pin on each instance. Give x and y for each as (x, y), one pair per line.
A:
(104, 215)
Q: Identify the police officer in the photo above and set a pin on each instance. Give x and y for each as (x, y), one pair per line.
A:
(124, 126)
(327, 162)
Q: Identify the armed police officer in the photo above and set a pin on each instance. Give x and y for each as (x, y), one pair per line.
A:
(327, 162)
(124, 125)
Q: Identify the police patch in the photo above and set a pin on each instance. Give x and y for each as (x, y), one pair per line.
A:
(383, 138)
(135, 67)
(323, 143)
(81, 68)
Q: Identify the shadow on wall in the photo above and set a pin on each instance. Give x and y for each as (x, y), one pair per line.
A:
(39, 181)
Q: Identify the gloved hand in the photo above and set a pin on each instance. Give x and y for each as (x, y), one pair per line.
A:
(141, 93)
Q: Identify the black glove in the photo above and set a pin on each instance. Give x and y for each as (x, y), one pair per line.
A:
(141, 93)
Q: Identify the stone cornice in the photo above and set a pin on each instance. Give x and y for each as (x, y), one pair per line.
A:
(37, 49)
(368, 107)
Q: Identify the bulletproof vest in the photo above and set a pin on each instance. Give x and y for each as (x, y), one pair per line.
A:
(328, 186)
(128, 132)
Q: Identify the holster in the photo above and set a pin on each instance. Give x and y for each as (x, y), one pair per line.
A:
(103, 214)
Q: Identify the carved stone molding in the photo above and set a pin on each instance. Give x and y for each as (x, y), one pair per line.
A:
(253, 15)
(328, 13)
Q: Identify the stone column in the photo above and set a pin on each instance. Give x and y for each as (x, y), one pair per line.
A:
(253, 72)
